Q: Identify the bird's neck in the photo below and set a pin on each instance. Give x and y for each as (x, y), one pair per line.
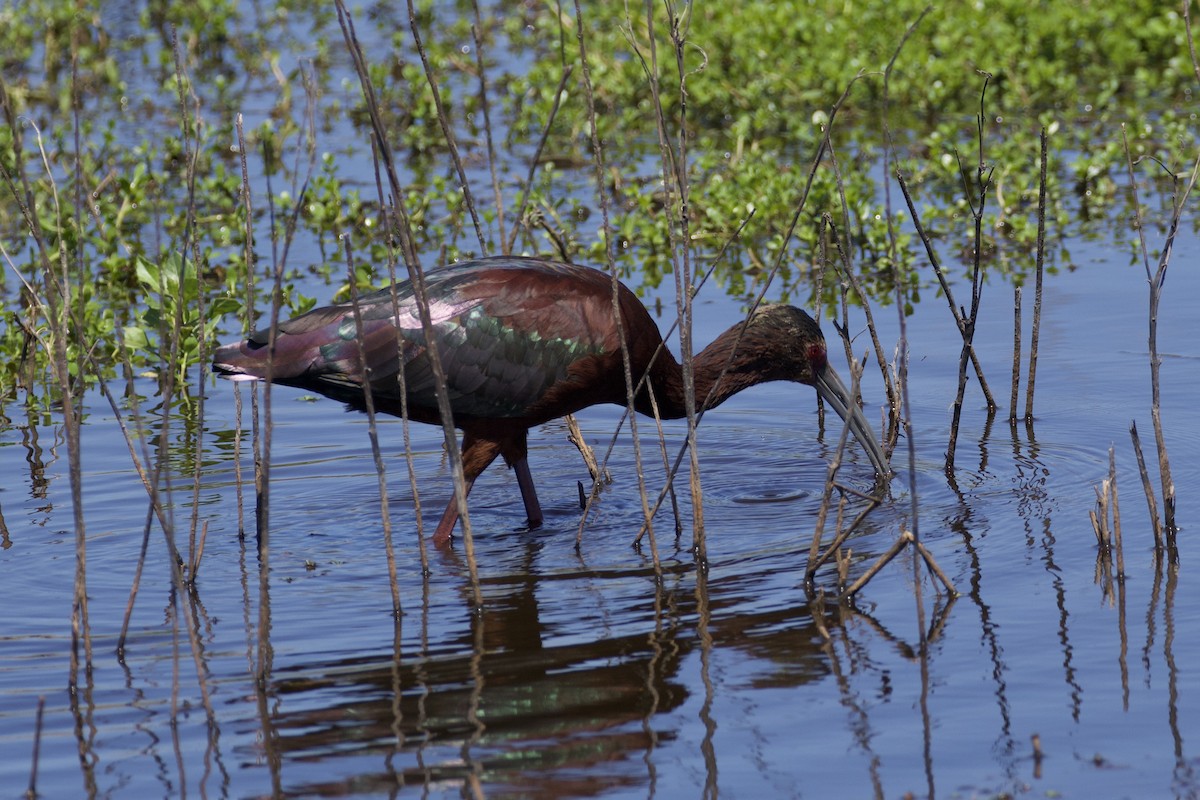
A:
(715, 375)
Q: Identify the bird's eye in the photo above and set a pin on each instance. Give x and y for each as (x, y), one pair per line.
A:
(817, 356)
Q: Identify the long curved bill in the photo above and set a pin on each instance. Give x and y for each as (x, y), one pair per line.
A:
(831, 389)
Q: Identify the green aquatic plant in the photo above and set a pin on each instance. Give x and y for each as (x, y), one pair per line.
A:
(174, 326)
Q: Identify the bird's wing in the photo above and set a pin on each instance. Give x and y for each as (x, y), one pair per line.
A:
(501, 354)
(506, 332)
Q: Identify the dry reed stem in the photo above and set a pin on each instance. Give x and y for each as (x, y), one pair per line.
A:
(906, 537)
(191, 243)
(847, 273)
(934, 567)
(904, 412)
(667, 488)
(260, 652)
(487, 119)
(261, 440)
(1187, 24)
(444, 121)
(1016, 362)
(681, 252)
(1116, 514)
(31, 793)
(606, 232)
(389, 225)
(1156, 280)
(417, 278)
(1100, 518)
(774, 270)
(977, 202)
(835, 463)
(960, 320)
(895, 421)
(1035, 334)
(845, 558)
(251, 264)
(58, 300)
(195, 553)
(674, 170)
(1122, 657)
(237, 459)
(73, 417)
(843, 534)
(373, 430)
(1104, 576)
(1151, 503)
(523, 197)
(575, 436)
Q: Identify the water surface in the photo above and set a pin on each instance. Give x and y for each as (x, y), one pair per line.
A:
(585, 675)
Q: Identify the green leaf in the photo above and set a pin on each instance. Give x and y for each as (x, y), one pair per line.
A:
(136, 339)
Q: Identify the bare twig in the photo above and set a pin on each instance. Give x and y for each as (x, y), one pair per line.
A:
(420, 294)
(523, 198)
(835, 546)
(1016, 364)
(575, 437)
(195, 553)
(905, 537)
(667, 488)
(31, 793)
(679, 23)
(444, 121)
(847, 273)
(965, 324)
(1116, 514)
(1151, 503)
(476, 34)
(835, 464)
(389, 225)
(1187, 24)
(775, 267)
(1156, 280)
(893, 551)
(1034, 337)
(373, 431)
(894, 412)
(606, 232)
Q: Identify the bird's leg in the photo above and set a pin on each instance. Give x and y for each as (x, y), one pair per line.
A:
(445, 528)
(529, 494)
(515, 448)
(476, 455)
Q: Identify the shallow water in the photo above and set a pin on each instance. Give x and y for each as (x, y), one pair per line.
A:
(583, 675)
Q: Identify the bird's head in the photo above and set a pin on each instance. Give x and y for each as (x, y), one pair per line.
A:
(788, 345)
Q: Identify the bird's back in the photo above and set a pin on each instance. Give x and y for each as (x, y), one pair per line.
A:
(518, 338)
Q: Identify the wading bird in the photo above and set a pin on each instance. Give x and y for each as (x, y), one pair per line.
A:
(523, 341)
